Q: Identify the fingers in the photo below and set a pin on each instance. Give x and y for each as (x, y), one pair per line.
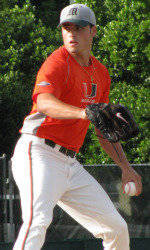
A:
(132, 176)
(138, 185)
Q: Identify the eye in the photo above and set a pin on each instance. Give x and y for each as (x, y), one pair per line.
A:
(67, 28)
(79, 28)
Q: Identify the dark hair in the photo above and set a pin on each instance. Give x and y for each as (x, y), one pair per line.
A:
(91, 25)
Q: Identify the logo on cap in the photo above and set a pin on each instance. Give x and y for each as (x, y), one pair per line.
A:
(73, 11)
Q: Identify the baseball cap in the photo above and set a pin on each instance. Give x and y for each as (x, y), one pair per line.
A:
(78, 14)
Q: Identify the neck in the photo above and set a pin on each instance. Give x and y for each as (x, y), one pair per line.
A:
(83, 60)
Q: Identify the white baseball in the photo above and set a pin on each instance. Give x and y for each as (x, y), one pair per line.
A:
(130, 188)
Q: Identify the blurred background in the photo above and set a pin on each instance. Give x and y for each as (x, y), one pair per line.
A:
(28, 34)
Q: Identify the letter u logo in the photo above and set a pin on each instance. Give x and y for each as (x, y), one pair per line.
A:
(90, 90)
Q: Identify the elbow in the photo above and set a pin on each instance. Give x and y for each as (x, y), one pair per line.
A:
(40, 107)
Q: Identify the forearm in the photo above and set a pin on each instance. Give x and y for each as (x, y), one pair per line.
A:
(51, 106)
(116, 153)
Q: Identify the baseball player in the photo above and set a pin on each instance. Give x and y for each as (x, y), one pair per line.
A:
(44, 163)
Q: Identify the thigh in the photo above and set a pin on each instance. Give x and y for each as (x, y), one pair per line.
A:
(39, 176)
(88, 203)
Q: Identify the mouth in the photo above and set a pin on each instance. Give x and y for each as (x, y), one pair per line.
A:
(74, 43)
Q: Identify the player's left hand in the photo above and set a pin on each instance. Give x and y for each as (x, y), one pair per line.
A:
(114, 121)
(129, 174)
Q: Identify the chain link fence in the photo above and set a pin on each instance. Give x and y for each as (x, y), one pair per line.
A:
(135, 210)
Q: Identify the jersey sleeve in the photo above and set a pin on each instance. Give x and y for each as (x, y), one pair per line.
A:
(50, 78)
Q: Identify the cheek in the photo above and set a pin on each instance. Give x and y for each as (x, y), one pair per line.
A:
(86, 40)
(86, 37)
(64, 39)
(64, 35)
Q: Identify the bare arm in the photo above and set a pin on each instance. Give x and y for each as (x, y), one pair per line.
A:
(116, 153)
(53, 107)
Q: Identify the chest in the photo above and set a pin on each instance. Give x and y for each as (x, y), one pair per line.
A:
(84, 87)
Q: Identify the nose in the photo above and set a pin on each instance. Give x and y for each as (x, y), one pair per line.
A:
(73, 31)
(72, 35)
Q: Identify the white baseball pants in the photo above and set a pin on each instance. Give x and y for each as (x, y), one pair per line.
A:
(46, 177)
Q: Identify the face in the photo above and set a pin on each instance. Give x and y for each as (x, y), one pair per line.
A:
(77, 39)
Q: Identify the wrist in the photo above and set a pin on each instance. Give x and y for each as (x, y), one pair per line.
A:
(125, 167)
(83, 114)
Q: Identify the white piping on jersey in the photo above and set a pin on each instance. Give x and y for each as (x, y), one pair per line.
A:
(68, 69)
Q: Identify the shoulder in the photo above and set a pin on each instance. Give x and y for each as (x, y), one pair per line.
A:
(56, 61)
(58, 58)
(99, 65)
(55, 66)
(102, 72)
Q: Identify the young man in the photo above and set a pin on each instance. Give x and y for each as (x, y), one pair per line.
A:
(44, 164)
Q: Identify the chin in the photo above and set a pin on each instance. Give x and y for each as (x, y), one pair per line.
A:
(72, 50)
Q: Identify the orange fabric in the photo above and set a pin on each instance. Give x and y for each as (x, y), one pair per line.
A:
(62, 76)
(31, 197)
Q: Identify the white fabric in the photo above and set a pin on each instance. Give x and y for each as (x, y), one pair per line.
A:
(58, 179)
(77, 12)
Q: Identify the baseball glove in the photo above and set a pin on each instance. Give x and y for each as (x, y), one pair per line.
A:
(114, 121)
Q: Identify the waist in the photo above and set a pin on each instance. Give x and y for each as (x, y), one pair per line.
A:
(63, 150)
(71, 132)
(29, 137)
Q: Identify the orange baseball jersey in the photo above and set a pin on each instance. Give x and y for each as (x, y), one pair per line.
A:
(62, 76)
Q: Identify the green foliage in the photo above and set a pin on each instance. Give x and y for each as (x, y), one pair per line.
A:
(28, 34)
(24, 44)
(125, 43)
(48, 11)
(122, 45)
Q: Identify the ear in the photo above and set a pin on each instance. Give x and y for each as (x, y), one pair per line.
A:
(94, 31)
